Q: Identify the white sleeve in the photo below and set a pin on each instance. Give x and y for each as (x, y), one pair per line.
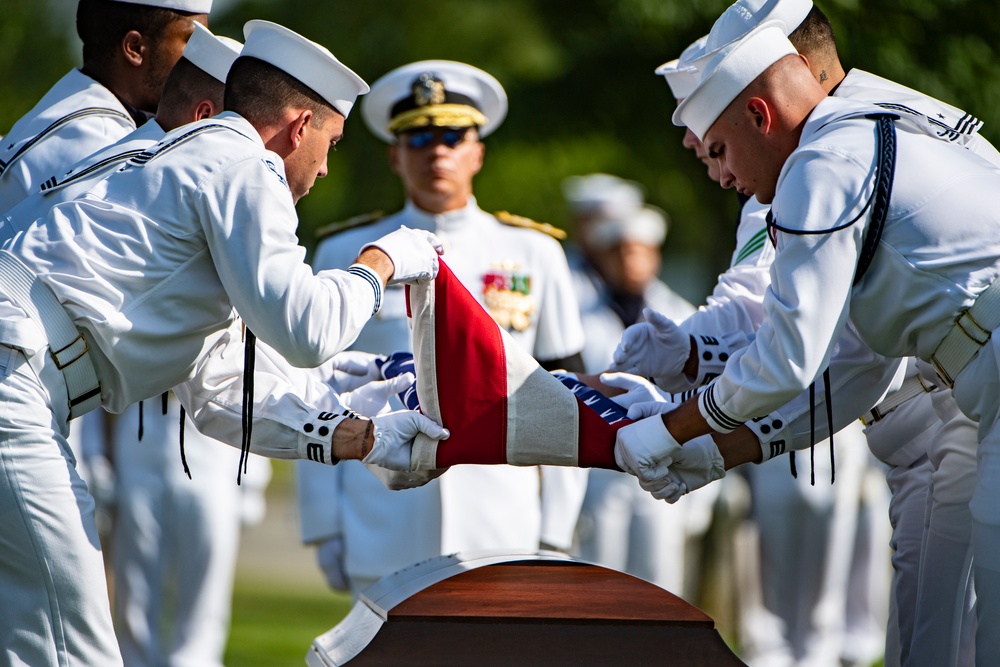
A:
(249, 224)
(807, 303)
(859, 379)
(563, 490)
(736, 302)
(295, 412)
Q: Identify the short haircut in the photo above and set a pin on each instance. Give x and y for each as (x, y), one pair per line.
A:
(101, 25)
(814, 37)
(260, 92)
(187, 85)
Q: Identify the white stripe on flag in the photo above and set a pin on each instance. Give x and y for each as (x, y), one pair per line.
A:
(542, 420)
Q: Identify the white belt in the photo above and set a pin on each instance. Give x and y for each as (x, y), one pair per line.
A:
(912, 386)
(970, 332)
(67, 345)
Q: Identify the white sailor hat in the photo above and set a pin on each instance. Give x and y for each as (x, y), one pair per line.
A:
(189, 6)
(602, 195)
(646, 225)
(438, 93)
(729, 72)
(743, 16)
(212, 54)
(683, 73)
(306, 61)
(740, 18)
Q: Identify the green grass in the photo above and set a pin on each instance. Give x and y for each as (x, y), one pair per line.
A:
(274, 626)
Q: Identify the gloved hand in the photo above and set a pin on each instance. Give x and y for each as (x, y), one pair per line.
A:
(654, 348)
(395, 480)
(696, 464)
(414, 254)
(646, 449)
(330, 558)
(372, 399)
(353, 368)
(637, 390)
(394, 433)
(639, 411)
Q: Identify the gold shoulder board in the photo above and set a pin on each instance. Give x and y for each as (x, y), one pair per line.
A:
(527, 223)
(351, 223)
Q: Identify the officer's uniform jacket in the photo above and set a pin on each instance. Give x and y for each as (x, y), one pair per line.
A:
(75, 118)
(521, 276)
(165, 254)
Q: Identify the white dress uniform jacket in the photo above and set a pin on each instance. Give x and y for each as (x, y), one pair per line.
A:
(924, 274)
(75, 118)
(469, 507)
(200, 227)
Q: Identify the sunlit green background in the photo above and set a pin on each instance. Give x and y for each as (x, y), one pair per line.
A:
(583, 98)
(580, 80)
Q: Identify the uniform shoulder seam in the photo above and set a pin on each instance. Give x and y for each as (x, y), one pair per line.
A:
(511, 220)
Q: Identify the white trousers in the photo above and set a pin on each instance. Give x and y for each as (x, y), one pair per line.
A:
(945, 624)
(807, 536)
(977, 392)
(53, 594)
(174, 541)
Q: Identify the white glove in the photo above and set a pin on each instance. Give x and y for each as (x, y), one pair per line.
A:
(654, 348)
(642, 410)
(394, 433)
(353, 368)
(637, 390)
(414, 254)
(646, 449)
(696, 464)
(372, 399)
(396, 480)
(330, 558)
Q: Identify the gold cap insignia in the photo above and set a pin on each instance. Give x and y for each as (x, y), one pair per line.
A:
(428, 89)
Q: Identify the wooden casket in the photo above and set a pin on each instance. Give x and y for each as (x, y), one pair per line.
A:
(520, 609)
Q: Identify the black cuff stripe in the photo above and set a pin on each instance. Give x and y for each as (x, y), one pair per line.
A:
(368, 275)
(716, 413)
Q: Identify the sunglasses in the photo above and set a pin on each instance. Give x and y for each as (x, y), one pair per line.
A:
(425, 138)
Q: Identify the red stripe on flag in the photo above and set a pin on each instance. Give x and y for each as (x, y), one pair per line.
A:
(471, 376)
(597, 439)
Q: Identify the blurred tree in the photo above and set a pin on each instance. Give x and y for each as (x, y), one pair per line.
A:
(580, 80)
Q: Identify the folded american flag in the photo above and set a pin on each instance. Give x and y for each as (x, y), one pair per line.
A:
(499, 404)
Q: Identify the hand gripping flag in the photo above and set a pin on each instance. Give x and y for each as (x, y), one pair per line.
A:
(499, 404)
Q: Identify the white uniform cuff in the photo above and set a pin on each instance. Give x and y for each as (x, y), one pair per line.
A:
(373, 279)
(713, 413)
(316, 436)
(774, 434)
(713, 353)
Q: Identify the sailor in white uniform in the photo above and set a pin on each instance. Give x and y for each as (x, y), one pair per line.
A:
(174, 539)
(910, 440)
(434, 114)
(904, 289)
(134, 288)
(117, 89)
